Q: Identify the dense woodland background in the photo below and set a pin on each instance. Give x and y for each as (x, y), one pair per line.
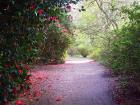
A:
(109, 32)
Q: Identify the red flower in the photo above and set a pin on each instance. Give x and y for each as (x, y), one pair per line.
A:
(54, 18)
(32, 7)
(19, 102)
(20, 71)
(27, 67)
(40, 12)
(17, 66)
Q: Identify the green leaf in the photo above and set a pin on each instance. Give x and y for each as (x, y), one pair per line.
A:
(35, 12)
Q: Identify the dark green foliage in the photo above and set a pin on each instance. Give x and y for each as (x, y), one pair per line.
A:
(55, 48)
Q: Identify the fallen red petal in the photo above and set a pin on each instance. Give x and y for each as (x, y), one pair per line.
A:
(19, 102)
(36, 93)
(58, 98)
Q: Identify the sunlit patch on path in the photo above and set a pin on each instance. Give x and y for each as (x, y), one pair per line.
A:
(78, 61)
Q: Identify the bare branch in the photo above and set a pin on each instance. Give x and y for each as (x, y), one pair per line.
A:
(113, 23)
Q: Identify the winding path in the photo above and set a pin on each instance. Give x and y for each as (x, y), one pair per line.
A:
(77, 82)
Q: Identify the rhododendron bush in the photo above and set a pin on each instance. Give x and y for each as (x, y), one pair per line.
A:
(22, 25)
(58, 38)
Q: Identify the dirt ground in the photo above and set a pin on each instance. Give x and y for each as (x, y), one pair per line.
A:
(79, 81)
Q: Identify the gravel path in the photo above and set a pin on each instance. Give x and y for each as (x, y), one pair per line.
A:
(79, 81)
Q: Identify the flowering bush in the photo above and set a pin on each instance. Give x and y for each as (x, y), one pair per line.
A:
(58, 35)
(22, 24)
(58, 39)
(13, 80)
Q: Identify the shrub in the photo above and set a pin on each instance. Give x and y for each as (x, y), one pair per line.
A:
(83, 50)
(124, 55)
(58, 38)
(95, 53)
(73, 51)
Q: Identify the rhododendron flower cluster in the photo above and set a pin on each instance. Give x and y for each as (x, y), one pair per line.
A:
(40, 12)
(63, 28)
(32, 7)
(12, 81)
(20, 71)
(53, 18)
